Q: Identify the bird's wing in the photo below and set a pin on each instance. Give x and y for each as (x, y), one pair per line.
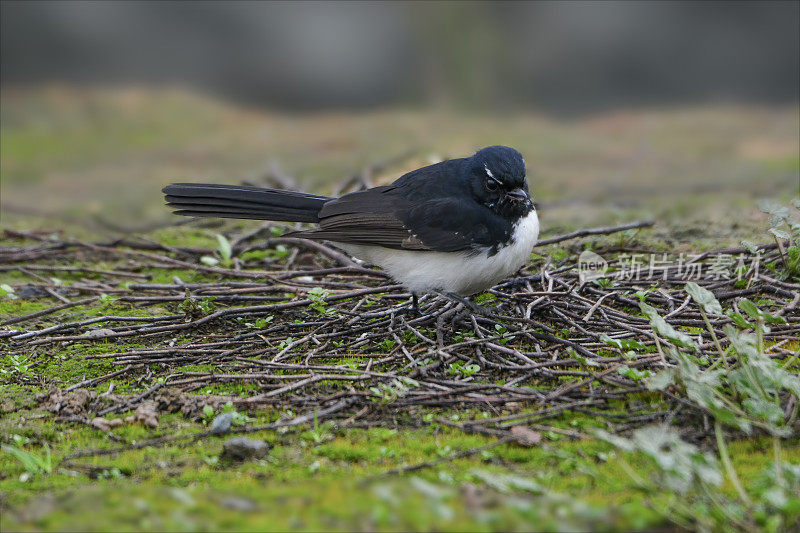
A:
(383, 216)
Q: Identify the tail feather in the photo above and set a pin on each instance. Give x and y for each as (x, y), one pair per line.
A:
(241, 201)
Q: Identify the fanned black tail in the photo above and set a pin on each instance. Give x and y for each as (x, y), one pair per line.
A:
(241, 201)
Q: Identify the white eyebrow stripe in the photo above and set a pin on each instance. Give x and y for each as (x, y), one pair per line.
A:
(489, 173)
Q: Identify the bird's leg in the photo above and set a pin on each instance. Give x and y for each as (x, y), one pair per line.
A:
(414, 309)
(469, 304)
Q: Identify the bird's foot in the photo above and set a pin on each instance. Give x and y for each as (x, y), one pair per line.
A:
(411, 310)
(469, 304)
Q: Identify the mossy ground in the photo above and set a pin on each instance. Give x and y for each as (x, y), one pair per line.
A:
(102, 157)
(327, 477)
(331, 479)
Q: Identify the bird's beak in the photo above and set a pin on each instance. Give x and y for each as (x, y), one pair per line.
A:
(519, 194)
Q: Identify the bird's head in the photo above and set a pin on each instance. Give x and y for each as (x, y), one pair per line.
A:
(497, 180)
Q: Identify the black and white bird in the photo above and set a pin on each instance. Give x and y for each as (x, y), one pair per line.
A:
(456, 227)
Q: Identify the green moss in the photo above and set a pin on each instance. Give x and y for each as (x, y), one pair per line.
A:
(195, 368)
(235, 388)
(70, 366)
(188, 276)
(558, 254)
(186, 237)
(179, 486)
(9, 308)
(485, 297)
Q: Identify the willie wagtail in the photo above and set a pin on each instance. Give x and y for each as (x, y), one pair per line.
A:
(458, 226)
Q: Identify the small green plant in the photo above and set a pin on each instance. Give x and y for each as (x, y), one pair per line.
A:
(285, 343)
(194, 308)
(33, 464)
(222, 255)
(584, 361)
(695, 478)
(460, 368)
(279, 252)
(17, 364)
(622, 344)
(503, 332)
(387, 393)
(20, 440)
(750, 392)
(317, 296)
(7, 292)
(386, 345)
(643, 294)
(110, 473)
(409, 337)
(318, 433)
(632, 373)
(461, 336)
(485, 297)
(744, 389)
(107, 301)
(239, 419)
(604, 283)
(626, 238)
(258, 323)
(784, 227)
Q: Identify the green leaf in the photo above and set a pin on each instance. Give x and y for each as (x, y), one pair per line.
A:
(622, 344)
(704, 297)
(34, 464)
(7, 291)
(751, 247)
(632, 373)
(773, 319)
(680, 462)
(581, 359)
(468, 370)
(663, 329)
(781, 234)
(224, 247)
(778, 214)
(662, 380)
(751, 309)
(619, 442)
(762, 408)
(729, 418)
(209, 261)
(743, 343)
(740, 321)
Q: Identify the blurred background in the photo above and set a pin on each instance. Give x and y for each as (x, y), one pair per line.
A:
(680, 110)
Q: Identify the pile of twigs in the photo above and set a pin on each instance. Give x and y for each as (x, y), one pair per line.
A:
(319, 334)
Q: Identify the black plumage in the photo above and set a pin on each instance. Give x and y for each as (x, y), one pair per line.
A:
(468, 204)
(241, 201)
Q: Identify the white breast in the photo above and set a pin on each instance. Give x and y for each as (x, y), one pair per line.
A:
(459, 272)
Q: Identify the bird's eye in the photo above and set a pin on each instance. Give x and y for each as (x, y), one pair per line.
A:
(492, 185)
